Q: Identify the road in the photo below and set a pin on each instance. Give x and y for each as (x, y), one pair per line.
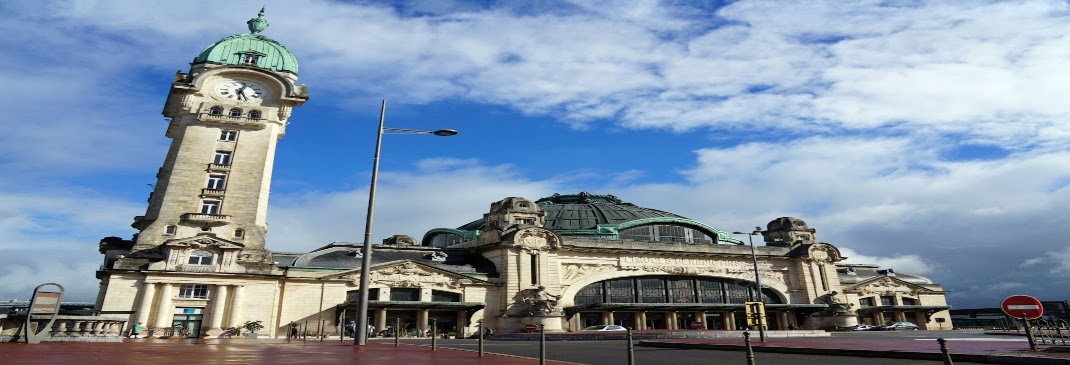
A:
(615, 352)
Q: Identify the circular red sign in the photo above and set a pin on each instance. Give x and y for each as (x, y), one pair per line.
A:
(530, 327)
(1022, 305)
(697, 325)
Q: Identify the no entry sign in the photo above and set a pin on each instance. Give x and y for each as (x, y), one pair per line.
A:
(1022, 305)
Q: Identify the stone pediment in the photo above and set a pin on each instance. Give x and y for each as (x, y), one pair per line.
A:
(886, 285)
(204, 241)
(409, 274)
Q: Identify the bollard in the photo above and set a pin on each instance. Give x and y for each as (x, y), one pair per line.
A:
(480, 338)
(397, 332)
(750, 351)
(320, 331)
(943, 351)
(304, 333)
(542, 344)
(631, 349)
(434, 335)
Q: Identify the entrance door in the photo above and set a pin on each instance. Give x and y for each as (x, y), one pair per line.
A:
(588, 319)
(624, 319)
(656, 321)
(714, 321)
(187, 322)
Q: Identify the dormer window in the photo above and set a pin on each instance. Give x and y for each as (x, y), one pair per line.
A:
(254, 114)
(201, 258)
(235, 112)
(250, 57)
(216, 110)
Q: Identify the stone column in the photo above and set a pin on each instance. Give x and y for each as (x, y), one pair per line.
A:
(421, 320)
(219, 304)
(462, 324)
(641, 321)
(235, 306)
(148, 290)
(164, 312)
(380, 319)
(672, 325)
(730, 321)
(609, 318)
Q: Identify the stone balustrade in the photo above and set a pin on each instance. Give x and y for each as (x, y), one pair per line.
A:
(69, 328)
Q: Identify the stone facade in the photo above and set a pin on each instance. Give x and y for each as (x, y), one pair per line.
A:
(199, 264)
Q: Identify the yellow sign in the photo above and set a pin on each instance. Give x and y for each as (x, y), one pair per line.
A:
(755, 313)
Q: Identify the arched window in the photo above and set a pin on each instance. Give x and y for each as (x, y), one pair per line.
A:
(235, 112)
(200, 258)
(672, 289)
(216, 110)
(666, 233)
(254, 114)
(446, 239)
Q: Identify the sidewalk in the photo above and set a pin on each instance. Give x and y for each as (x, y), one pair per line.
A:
(995, 351)
(243, 351)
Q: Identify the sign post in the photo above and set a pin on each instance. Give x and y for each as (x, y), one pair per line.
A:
(44, 305)
(1026, 308)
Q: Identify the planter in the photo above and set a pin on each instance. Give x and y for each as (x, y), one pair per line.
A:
(250, 335)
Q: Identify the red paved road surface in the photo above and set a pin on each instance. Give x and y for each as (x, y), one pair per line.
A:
(242, 351)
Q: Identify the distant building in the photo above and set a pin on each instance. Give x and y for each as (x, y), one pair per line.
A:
(1054, 310)
(199, 260)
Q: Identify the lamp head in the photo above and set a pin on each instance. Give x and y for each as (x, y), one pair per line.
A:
(444, 132)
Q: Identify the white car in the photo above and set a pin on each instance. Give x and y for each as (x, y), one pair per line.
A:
(602, 328)
(863, 327)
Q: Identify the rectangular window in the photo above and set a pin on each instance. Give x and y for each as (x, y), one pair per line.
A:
(215, 182)
(170, 230)
(681, 290)
(865, 302)
(222, 158)
(228, 136)
(887, 300)
(193, 291)
(534, 269)
(445, 296)
(239, 233)
(210, 207)
(910, 301)
(405, 294)
(354, 295)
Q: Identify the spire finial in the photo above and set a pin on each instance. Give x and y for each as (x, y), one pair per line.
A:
(256, 25)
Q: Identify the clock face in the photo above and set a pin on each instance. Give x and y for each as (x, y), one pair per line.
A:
(240, 90)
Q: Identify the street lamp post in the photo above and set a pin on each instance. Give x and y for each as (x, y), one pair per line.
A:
(361, 337)
(757, 276)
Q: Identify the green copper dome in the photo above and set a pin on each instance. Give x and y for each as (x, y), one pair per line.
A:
(251, 49)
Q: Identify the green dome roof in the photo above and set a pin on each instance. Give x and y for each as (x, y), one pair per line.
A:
(251, 49)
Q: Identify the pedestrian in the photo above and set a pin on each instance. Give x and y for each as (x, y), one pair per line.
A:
(293, 331)
(136, 330)
(371, 330)
(351, 329)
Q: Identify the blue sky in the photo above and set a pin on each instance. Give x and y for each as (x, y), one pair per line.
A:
(928, 137)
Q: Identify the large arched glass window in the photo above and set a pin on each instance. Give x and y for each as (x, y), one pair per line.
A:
(216, 110)
(200, 258)
(254, 114)
(666, 233)
(446, 239)
(235, 112)
(672, 289)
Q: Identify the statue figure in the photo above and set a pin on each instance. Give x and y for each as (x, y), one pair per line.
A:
(541, 301)
(837, 305)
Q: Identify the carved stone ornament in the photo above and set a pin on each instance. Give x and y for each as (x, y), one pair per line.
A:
(284, 112)
(821, 253)
(535, 241)
(576, 271)
(888, 286)
(411, 275)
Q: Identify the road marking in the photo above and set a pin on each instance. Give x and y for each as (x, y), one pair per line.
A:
(976, 339)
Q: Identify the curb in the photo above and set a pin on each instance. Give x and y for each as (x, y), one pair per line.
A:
(910, 355)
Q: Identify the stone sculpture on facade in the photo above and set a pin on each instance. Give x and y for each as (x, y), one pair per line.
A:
(540, 301)
(837, 305)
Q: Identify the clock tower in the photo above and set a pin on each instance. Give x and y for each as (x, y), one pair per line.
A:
(211, 195)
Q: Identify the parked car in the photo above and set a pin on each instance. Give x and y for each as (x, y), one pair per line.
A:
(863, 327)
(611, 327)
(898, 326)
